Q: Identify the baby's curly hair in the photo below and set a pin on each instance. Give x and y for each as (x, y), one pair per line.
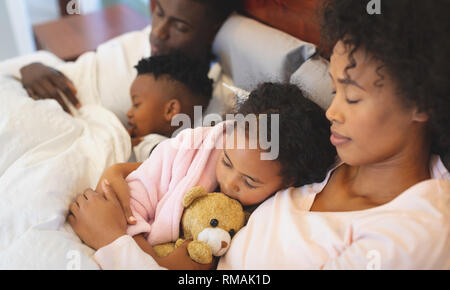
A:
(192, 73)
(305, 151)
(411, 40)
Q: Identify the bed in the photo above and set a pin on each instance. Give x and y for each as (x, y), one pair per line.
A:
(48, 157)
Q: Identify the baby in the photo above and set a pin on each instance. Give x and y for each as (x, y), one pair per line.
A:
(202, 156)
(165, 86)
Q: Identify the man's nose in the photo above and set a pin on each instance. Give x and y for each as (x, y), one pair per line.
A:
(161, 31)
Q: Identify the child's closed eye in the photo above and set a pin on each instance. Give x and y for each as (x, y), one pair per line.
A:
(226, 163)
(248, 184)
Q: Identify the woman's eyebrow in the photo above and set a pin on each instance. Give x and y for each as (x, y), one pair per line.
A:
(348, 81)
(251, 178)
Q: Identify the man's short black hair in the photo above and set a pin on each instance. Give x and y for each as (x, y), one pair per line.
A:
(305, 151)
(219, 10)
(193, 74)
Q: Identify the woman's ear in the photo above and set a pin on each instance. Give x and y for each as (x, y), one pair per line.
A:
(420, 116)
(172, 108)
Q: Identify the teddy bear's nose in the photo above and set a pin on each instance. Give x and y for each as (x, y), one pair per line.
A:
(224, 244)
(214, 223)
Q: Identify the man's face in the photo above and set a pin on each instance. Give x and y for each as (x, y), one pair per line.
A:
(181, 25)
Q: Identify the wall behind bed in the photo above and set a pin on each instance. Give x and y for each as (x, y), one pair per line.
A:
(298, 18)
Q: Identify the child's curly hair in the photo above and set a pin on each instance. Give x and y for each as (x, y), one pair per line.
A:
(305, 151)
(411, 40)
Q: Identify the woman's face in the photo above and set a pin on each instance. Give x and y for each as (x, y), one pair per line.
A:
(181, 25)
(370, 123)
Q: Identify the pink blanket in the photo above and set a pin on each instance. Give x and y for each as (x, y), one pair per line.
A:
(159, 184)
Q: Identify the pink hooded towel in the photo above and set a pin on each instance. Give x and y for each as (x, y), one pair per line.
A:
(158, 186)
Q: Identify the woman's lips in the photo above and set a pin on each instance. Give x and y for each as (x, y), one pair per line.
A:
(338, 140)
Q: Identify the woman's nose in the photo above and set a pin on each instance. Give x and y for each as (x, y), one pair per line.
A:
(334, 113)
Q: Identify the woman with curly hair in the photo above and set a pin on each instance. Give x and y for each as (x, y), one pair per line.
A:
(386, 203)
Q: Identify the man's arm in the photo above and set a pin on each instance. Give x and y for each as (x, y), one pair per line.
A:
(43, 82)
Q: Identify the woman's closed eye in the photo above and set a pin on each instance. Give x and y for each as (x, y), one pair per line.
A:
(351, 102)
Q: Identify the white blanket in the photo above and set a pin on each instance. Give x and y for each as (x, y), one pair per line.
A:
(46, 158)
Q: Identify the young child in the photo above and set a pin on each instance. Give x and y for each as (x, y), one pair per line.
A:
(165, 86)
(195, 157)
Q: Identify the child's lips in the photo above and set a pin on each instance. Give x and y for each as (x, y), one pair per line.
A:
(131, 129)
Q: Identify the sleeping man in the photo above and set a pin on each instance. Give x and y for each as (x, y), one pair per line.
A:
(104, 76)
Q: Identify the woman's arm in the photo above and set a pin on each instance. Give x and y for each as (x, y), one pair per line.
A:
(115, 177)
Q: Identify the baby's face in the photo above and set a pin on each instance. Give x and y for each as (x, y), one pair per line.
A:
(148, 97)
(242, 175)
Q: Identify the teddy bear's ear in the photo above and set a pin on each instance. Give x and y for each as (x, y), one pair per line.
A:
(193, 194)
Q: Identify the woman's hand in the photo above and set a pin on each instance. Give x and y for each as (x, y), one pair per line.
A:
(97, 218)
(43, 82)
(115, 178)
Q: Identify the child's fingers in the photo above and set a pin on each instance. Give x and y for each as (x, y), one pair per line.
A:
(110, 194)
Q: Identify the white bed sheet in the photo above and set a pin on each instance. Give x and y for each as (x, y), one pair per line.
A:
(47, 157)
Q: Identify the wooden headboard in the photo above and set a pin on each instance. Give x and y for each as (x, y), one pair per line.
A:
(298, 18)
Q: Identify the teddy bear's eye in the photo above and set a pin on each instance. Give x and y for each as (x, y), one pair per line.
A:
(231, 232)
(214, 223)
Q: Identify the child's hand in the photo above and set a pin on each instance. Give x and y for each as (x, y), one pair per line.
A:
(97, 219)
(114, 178)
(179, 259)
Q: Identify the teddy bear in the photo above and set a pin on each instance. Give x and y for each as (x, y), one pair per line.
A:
(211, 220)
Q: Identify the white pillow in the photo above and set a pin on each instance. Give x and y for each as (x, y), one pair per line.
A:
(251, 52)
(315, 82)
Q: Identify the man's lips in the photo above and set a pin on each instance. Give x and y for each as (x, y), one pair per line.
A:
(155, 49)
(338, 140)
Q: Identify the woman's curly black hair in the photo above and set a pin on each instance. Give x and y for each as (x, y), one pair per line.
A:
(411, 40)
(192, 73)
(305, 151)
